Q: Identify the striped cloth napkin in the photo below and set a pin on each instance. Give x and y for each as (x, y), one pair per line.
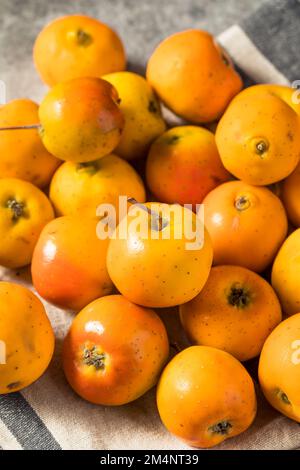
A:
(48, 415)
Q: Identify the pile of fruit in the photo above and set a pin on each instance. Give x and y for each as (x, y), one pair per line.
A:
(237, 153)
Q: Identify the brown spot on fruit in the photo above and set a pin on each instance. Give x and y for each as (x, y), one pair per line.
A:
(173, 139)
(13, 385)
(83, 38)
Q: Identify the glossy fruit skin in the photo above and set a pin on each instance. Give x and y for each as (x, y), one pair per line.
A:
(24, 211)
(22, 153)
(158, 272)
(77, 46)
(286, 273)
(114, 351)
(196, 93)
(279, 368)
(81, 120)
(203, 387)
(235, 311)
(258, 136)
(142, 113)
(183, 165)
(78, 189)
(238, 218)
(290, 195)
(28, 337)
(69, 263)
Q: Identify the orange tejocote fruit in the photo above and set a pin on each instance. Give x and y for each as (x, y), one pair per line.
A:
(114, 351)
(258, 136)
(69, 262)
(279, 368)
(286, 274)
(22, 153)
(193, 76)
(247, 224)
(24, 211)
(183, 165)
(235, 311)
(205, 396)
(160, 255)
(81, 120)
(77, 46)
(142, 114)
(27, 338)
(79, 188)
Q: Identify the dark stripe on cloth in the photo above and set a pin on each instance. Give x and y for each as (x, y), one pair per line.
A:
(25, 425)
(275, 30)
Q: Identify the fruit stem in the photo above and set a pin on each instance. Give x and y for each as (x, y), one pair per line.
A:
(16, 207)
(238, 297)
(283, 397)
(89, 167)
(261, 147)
(92, 357)
(83, 38)
(17, 128)
(154, 215)
(242, 203)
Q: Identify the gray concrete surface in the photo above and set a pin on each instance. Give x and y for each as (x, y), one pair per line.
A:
(140, 23)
